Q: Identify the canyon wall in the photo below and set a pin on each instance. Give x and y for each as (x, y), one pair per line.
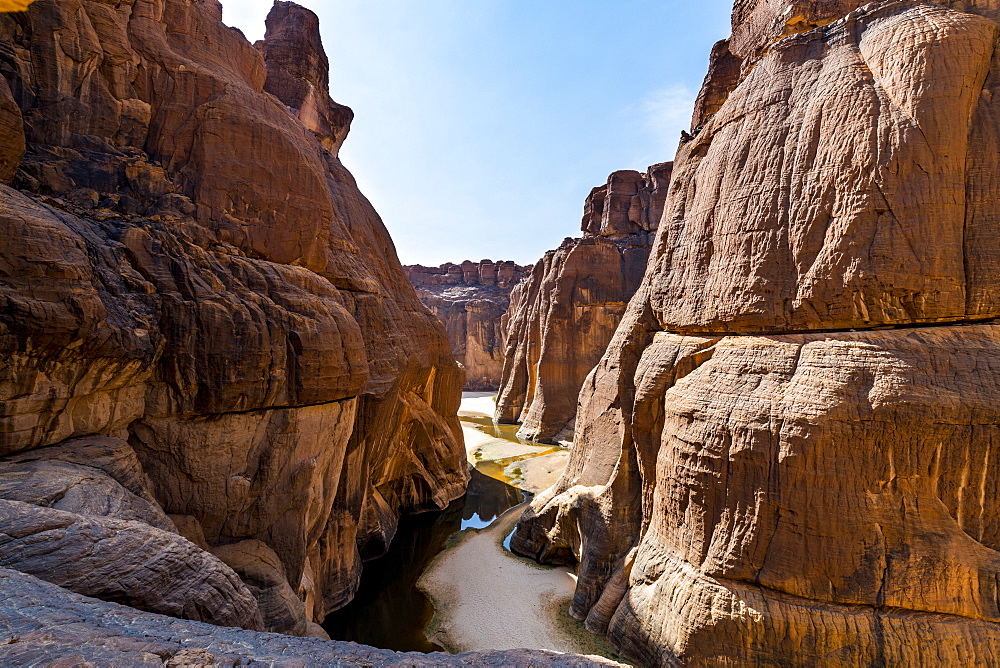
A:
(786, 455)
(561, 319)
(214, 364)
(471, 299)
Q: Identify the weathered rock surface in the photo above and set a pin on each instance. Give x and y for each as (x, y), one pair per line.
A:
(92, 476)
(298, 73)
(125, 561)
(471, 300)
(750, 483)
(41, 624)
(561, 319)
(264, 575)
(11, 134)
(186, 265)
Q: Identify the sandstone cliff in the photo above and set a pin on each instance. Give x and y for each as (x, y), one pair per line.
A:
(214, 364)
(785, 456)
(471, 299)
(561, 319)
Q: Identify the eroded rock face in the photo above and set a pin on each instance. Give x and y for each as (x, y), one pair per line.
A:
(188, 268)
(11, 134)
(127, 561)
(298, 73)
(750, 483)
(561, 319)
(471, 300)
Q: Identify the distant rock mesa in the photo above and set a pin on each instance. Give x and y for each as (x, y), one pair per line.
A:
(471, 299)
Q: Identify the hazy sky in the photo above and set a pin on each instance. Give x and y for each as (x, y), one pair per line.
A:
(481, 125)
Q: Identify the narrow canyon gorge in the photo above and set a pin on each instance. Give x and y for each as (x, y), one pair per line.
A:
(747, 418)
(219, 390)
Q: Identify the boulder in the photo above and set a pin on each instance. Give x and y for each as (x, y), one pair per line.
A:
(125, 562)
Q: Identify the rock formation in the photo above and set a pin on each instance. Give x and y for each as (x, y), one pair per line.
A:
(471, 299)
(208, 342)
(41, 624)
(785, 456)
(561, 319)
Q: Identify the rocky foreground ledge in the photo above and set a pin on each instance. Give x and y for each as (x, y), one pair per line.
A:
(42, 623)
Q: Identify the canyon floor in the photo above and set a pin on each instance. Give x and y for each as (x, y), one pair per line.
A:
(498, 452)
(485, 596)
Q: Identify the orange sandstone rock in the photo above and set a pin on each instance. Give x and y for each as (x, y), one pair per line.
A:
(751, 481)
(185, 264)
(561, 319)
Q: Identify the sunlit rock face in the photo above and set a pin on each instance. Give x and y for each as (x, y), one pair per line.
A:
(188, 272)
(471, 299)
(561, 319)
(785, 456)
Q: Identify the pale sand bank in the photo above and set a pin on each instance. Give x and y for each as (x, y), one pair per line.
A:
(485, 597)
(477, 404)
(537, 474)
(504, 601)
(531, 467)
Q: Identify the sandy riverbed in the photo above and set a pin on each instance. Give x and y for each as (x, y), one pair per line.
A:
(503, 601)
(477, 404)
(484, 596)
(532, 467)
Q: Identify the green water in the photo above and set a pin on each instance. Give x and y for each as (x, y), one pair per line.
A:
(506, 469)
(388, 610)
(507, 432)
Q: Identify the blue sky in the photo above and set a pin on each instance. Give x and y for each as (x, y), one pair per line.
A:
(481, 125)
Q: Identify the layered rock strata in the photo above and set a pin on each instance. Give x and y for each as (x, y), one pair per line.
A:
(785, 456)
(471, 299)
(561, 319)
(209, 344)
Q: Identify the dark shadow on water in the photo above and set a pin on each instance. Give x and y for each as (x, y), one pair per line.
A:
(389, 611)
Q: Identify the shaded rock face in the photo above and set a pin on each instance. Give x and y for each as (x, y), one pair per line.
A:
(471, 299)
(561, 319)
(751, 483)
(190, 274)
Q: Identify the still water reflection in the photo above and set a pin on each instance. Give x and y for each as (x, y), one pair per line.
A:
(389, 611)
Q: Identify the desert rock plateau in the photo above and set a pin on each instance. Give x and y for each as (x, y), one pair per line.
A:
(471, 300)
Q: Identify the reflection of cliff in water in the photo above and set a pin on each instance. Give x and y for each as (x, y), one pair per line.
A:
(388, 610)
